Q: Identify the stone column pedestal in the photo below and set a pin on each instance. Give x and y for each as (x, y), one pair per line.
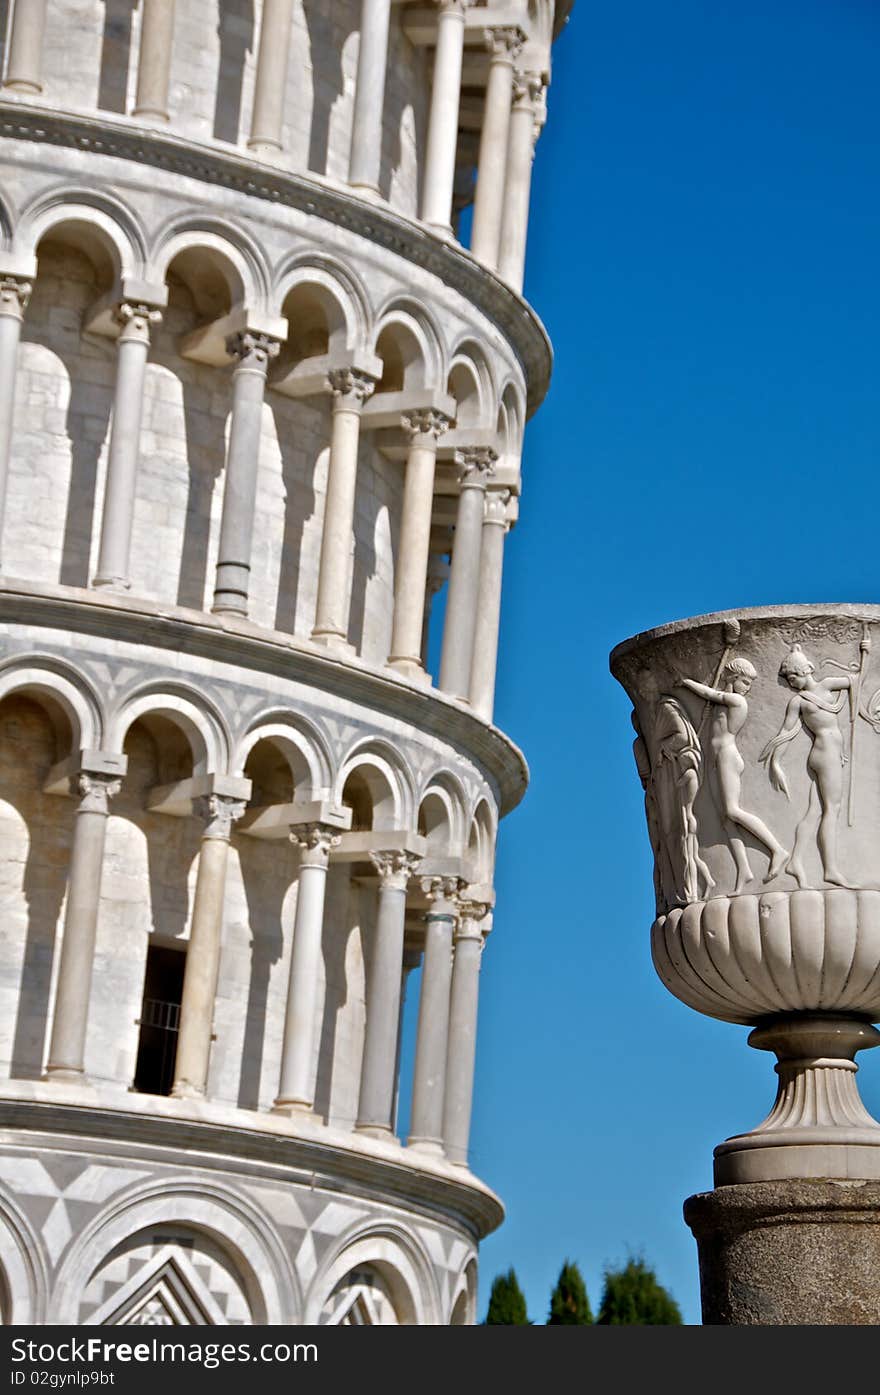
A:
(789, 1253)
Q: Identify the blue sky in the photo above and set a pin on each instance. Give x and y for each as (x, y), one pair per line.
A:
(704, 252)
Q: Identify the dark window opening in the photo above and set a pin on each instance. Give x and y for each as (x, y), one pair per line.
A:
(160, 1019)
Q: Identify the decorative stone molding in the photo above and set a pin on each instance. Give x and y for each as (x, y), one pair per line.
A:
(235, 171)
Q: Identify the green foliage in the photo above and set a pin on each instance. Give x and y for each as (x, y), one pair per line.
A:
(569, 1304)
(507, 1305)
(633, 1296)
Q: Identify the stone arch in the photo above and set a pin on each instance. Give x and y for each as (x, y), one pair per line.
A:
(388, 781)
(67, 696)
(243, 1230)
(442, 813)
(481, 842)
(301, 744)
(24, 1268)
(511, 423)
(231, 253)
(410, 345)
(470, 382)
(196, 716)
(91, 216)
(339, 292)
(397, 1255)
(7, 223)
(463, 1308)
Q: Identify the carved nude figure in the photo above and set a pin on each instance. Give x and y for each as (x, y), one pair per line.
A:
(677, 766)
(815, 708)
(730, 712)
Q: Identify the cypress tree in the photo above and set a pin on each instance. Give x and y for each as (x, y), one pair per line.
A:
(569, 1304)
(507, 1305)
(633, 1296)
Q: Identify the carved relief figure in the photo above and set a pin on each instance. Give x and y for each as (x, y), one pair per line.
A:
(643, 766)
(730, 712)
(677, 767)
(815, 708)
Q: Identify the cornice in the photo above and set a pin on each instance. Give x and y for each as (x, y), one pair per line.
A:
(262, 1151)
(122, 139)
(247, 646)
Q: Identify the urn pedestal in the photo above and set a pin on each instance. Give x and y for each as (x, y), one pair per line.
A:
(758, 748)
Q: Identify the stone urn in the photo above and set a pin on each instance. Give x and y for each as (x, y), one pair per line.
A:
(757, 743)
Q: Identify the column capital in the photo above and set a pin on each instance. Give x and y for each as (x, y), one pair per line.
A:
(315, 842)
(471, 915)
(15, 293)
(504, 42)
(252, 349)
(220, 812)
(455, 7)
(475, 465)
(136, 319)
(425, 421)
(495, 507)
(442, 894)
(350, 387)
(395, 868)
(528, 89)
(95, 791)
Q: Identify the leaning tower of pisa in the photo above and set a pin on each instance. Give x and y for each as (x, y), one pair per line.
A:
(261, 417)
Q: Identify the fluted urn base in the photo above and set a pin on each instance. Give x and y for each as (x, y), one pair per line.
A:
(818, 1126)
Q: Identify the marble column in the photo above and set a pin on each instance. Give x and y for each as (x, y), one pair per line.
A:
(71, 1016)
(488, 621)
(443, 118)
(462, 1047)
(384, 984)
(350, 391)
(411, 573)
(154, 59)
(432, 1032)
(203, 952)
(504, 44)
(296, 1089)
(253, 352)
(528, 92)
(132, 348)
(369, 96)
(24, 67)
(475, 467)
(14, 295)
(271, 79)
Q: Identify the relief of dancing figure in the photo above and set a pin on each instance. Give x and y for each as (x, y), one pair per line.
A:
(728, 718)
(676, 781)
(815, 708)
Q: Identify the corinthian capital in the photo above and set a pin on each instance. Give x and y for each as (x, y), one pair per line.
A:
(455, 7)
(395, 868)
(350, 387)
(441, 892)
(315, 841)
(504, 41)
(495, 507)
(220, 812)
(471, 915)
(475, 465)
(136, 319)
(528, 90)
(15, 293)
(425, 421)
(252, 350)
(95, 791)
